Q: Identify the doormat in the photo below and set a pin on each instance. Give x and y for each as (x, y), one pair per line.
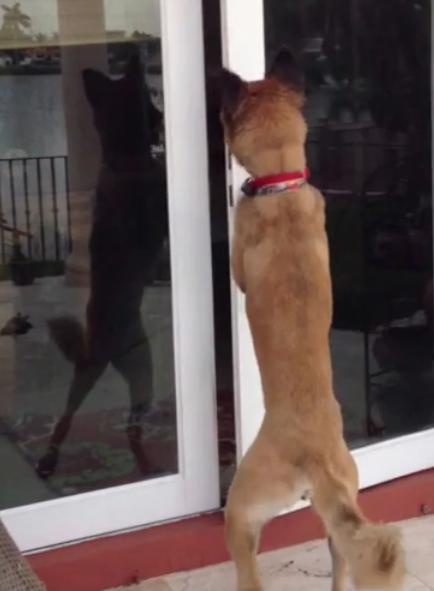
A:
(96, 454)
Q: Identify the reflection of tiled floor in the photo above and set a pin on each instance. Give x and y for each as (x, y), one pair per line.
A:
(306, 567)
(34, 380)
(34, 376)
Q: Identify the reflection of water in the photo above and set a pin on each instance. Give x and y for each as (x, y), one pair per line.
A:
(32, 124)
(31, 114)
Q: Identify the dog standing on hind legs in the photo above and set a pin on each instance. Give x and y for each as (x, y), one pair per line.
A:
(280, 261)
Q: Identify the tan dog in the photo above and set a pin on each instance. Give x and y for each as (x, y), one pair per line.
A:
(280, 261)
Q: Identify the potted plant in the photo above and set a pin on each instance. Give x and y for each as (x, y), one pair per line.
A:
(21, 267)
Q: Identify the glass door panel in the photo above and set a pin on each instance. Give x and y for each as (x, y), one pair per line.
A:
(95, 379)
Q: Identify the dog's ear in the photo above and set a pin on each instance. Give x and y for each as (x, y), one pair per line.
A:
(286, 69)
(95, 86)
(233, 90)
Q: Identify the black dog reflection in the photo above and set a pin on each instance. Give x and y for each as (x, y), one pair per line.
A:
(128, 231)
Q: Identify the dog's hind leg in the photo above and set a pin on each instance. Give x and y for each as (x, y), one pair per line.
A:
(135, 367)
(373, 551)
(242, 535)
(85, 377)
(263, 487)
(339, 568)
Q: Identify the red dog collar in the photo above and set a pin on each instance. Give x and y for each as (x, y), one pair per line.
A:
(275, 183)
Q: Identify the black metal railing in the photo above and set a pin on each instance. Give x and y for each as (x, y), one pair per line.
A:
(34, 198)
(343, 158)
(35, 192)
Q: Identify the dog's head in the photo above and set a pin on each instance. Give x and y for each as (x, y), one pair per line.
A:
(263, 119)
(124, 115)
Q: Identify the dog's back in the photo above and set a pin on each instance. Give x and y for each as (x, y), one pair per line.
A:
(288, 289)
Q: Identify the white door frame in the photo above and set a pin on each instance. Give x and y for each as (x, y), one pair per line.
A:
(196, 487)
(244, 53)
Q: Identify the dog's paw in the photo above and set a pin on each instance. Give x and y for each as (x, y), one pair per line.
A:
(47, 465)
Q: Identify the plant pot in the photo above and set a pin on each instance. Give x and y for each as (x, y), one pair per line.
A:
(22, 272)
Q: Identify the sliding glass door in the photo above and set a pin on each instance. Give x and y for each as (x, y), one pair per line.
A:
(107, 413)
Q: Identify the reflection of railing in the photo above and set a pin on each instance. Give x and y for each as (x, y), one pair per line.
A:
(343, 156)
(381, 251)
(34, 197)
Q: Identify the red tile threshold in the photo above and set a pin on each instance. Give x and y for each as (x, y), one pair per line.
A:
(196, 542)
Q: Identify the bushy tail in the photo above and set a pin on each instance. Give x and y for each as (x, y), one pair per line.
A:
(373, 551)
(69, 336)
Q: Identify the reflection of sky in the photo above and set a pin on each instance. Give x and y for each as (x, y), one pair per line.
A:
(128, 15)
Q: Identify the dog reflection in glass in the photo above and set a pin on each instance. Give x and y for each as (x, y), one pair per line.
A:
(129, 227)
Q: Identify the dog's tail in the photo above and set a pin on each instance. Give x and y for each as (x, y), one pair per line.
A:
(373, 551)
(70, 337)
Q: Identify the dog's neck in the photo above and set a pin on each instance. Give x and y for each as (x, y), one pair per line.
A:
(277, 172)
(289, 158)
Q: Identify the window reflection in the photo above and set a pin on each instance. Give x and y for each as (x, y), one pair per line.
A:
(367, 67)
(87, 388)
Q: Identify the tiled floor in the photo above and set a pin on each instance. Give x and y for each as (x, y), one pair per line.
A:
(306, 567)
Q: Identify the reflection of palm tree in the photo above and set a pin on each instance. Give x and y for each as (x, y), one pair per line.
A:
(40, 38)
(14, 21)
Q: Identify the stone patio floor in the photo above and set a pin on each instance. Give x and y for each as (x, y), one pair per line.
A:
(305, 567)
